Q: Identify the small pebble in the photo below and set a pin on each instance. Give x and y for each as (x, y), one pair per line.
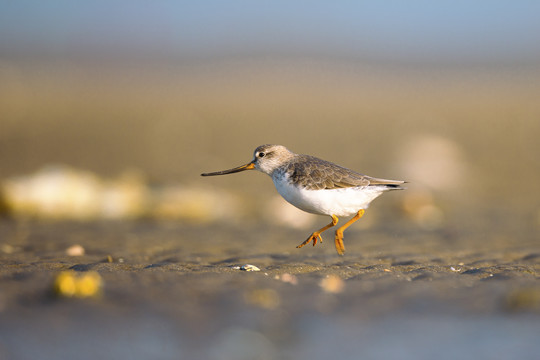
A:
(75, 250)
(72, 284)
(332, 284)
(289, 278)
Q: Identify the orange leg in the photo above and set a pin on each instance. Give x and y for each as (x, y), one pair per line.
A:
(316, 236)
(339, 232)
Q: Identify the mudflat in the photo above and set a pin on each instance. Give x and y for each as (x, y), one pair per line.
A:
(173, 290)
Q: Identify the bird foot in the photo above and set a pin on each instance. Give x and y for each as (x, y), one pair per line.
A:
(340, 247)
(313, 237)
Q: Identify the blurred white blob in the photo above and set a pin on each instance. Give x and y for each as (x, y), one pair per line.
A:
(433, 161)
(75, 250)
(124, 197)
(54, 192)
(332, 284)
(431, 164)
(288, 278)
(61, 192)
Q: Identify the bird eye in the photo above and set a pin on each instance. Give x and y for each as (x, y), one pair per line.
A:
(261, 154)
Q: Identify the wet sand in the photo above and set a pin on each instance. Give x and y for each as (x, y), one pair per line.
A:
(175, 291)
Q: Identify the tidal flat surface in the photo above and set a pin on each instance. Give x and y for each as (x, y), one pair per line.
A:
(175, 291)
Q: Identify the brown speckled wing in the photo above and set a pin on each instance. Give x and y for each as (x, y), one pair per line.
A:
(316, 174)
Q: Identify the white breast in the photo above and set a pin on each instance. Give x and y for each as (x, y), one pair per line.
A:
(339, 202)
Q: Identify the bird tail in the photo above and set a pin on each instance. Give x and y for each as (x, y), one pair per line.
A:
(388, 184)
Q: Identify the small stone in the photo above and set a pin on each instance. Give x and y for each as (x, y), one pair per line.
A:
(89, 285)
(71, 284)
(289, 278)
(332, 284)
(65, 284)
(75, 250)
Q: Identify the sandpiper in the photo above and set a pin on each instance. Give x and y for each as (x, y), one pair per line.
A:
(317, 186)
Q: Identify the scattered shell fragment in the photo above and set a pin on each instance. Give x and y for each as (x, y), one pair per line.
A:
(75, 250)
(72, 284)
(247, 267)
(332, 284)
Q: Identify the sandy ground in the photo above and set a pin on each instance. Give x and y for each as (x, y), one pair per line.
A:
(465, 139)
(174, 291)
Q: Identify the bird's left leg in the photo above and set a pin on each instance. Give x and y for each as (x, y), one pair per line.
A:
(340, 248)
(316, 236)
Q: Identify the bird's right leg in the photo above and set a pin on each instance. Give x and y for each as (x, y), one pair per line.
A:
(316, 236)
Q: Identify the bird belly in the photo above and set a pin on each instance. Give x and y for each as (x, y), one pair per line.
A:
(339, 202)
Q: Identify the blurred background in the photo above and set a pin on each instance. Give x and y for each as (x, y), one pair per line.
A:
(111, 109)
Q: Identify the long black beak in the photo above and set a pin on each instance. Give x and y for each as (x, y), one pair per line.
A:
(249, 166)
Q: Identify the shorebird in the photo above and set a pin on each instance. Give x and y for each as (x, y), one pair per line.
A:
(317, 186)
